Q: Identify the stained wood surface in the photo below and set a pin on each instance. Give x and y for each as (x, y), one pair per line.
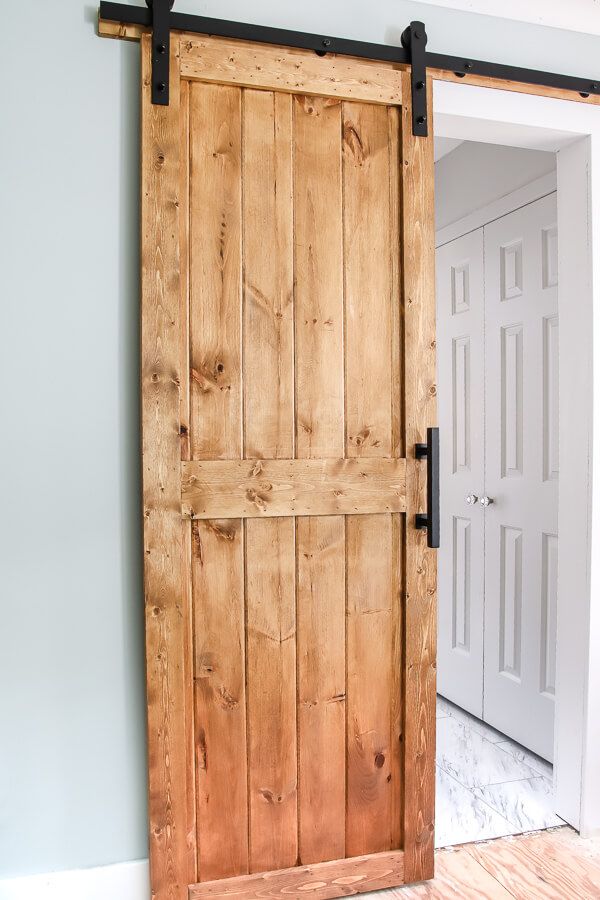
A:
(321, 687)
(268, 430)
(215, 272)
(503, 84)
(421, 564)
(340, 878)
(274, 68)
(292, 487)
(380, 82)
(268, 228)
(300, 377)
(319, 291)
(319, 341)
(271, 708)
(167, 600)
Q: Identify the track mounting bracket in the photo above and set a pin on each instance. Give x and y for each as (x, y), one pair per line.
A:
(414, 40)
(161, 40)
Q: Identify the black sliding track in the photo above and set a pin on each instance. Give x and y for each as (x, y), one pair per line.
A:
(323, 44)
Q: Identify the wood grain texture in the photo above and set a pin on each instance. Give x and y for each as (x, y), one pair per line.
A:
(556, 863)
(319, 277)
(271, 700)
(132, 32)
(340, 878)
(297, 71)
(292, 487)
(368, 279)
(319, 302)
(298, 379)
(458, 875)
(268, 336)
(268, 387)
(321, 604)
(369, 684)
(170, 701)
(184, 274)
(215, 271)
(546, 865)
(502, 84)
(372, 425)
(418, 284)
(125, 31)
(219, 628)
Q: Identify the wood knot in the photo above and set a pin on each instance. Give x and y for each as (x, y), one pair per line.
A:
(353, 142)
(256, 498)
(379, 760)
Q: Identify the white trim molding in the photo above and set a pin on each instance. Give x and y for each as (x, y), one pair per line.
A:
(121, 881)
(577, 15)
(572, 131)
(535, 190)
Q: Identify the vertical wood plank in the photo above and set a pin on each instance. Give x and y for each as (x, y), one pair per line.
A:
(321, 603)
(170, 702)
(221, 775)
(319, 335)
(318, 278)
(369, 684)
(368, 280)
(397, 689)
(371, 313)
(420, 566)
(184, 251)
(268, 276)
(215, 174)
(215, 271)
(271, 678)
(268, 342)
(398, 451)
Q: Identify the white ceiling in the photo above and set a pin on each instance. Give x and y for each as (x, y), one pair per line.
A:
(444, 145)
(574, 15)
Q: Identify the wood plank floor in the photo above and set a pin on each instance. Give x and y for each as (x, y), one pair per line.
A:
(555, 864)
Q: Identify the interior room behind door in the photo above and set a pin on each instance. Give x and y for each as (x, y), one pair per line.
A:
(498, 365)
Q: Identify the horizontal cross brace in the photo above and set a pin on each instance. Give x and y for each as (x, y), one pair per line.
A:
(255, 488)
(142, 16)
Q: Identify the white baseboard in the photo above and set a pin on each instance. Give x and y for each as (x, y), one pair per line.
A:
(122, 881)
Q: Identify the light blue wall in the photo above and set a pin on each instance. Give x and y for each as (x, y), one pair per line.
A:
(72, 743)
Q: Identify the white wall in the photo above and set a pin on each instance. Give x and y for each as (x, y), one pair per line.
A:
(72, 754)
(474, 175)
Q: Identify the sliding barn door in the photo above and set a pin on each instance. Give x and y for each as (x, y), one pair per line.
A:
(288, 344)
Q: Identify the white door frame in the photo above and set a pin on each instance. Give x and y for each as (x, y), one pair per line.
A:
(572, 130)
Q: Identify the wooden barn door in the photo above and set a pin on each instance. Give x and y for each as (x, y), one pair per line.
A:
(288, 370)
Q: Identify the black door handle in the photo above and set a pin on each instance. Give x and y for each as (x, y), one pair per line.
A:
(431, 519)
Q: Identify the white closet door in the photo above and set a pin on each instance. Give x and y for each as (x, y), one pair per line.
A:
(521, 524)
(460, 345)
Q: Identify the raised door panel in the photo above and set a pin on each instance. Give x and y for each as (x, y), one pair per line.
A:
(522, 468)
(459, 268)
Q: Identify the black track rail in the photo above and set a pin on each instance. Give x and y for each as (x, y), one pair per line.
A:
(322, 44)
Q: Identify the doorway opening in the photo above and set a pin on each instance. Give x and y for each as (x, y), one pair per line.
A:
(497, 340)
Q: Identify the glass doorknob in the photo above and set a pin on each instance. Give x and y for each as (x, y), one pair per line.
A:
(471, 499)
(485, 501)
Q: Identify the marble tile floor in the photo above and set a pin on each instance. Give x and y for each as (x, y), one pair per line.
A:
(487, 786)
